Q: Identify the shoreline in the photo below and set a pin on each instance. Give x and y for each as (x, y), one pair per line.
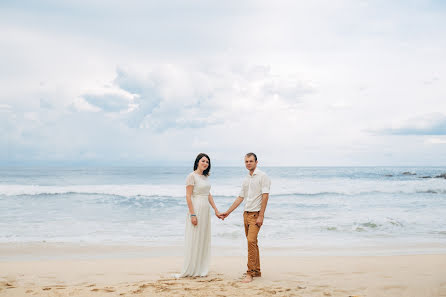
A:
(45, 251)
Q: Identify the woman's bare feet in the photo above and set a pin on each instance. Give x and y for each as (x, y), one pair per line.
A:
(247, 279)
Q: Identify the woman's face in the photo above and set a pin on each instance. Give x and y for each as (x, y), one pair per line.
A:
(203, 164)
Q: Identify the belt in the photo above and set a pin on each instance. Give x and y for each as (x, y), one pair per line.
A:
(252, 211)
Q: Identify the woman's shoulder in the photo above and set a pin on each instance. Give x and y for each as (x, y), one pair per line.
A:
(192, 174)
(190, 179)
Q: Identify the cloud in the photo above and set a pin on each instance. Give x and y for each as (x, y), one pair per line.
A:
(5, 108)
(44, 103)
(224, 78)
(291, 91)
(429, 124)
(80, 104)
(111, 100)
(436, 140)
(178, 97)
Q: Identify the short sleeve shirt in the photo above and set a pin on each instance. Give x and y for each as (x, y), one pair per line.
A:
(252, 189)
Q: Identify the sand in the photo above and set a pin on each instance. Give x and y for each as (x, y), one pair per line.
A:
(120, 271)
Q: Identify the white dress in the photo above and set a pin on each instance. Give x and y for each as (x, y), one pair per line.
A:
(198, 238)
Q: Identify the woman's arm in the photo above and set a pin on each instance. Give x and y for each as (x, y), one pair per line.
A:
(212, 203)
(193, 217)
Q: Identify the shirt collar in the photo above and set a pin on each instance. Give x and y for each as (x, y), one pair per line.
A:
(256, 171)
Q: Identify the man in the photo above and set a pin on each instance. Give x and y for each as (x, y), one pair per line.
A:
(255, 189)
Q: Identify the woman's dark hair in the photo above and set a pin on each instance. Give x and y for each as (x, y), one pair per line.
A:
(198, 158)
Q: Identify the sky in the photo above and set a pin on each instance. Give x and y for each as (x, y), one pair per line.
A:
(300, 83)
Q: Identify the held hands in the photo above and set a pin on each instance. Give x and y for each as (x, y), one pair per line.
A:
(219, 215)
(223, 215)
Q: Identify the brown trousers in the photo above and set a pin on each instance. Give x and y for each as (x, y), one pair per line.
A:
(251, 231)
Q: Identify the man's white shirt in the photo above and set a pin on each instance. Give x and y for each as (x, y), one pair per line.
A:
(252, 189)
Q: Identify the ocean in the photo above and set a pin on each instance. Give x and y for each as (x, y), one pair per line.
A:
(309, 208)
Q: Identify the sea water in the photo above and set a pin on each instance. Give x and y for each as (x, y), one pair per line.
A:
(309, 208)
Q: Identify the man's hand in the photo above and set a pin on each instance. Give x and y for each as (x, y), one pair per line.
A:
(223, 215)
(259, 221)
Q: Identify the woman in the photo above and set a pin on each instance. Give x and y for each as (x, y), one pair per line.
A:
(198, 222)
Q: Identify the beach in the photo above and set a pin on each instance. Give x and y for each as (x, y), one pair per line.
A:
(145, 140)
(345, 231)
(71, 270)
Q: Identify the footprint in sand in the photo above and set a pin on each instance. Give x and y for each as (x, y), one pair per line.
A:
(394, 287)
(139, 291)
(164, 282)
(109, 290)
(106, 289)
(141, 288)
(9, 285)
(217, 279)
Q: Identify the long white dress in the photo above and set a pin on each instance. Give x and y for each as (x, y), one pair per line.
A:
(198, 238)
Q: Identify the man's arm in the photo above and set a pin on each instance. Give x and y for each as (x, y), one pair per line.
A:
(266, 184)
(234, 205)
(259, 221)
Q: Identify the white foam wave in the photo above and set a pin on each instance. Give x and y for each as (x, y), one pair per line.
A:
(279, 187)
(120, 190)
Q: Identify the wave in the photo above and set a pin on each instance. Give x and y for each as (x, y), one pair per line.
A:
(368, 226)
(359, 193)
(178, 191)
(112, 190)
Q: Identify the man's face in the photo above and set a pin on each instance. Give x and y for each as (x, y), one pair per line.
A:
(250, 163)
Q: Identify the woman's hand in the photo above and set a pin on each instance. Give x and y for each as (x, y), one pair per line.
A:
(220, 215)
(194, 220)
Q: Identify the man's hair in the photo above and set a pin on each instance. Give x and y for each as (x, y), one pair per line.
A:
(251, 154)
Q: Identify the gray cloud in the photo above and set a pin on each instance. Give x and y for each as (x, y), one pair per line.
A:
(149, 114)
(430, 124)
(44, 103)
(148, 97)
(175, 97)
(108, 102)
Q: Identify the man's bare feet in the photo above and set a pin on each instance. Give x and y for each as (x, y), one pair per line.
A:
(247, 279)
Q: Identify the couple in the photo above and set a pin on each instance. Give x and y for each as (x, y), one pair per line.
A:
(255, 190)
